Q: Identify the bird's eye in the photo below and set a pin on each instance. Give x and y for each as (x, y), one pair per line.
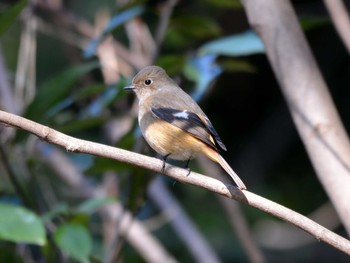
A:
(148, 82)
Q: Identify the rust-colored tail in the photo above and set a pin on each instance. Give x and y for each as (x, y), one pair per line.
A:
(215, 156)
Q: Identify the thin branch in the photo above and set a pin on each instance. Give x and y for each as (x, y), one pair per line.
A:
(341, 19)
(7, 100)
(25, 82)
(82, 146)
(165, 13)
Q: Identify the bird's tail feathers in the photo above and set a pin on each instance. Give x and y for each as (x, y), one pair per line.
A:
(215, 156)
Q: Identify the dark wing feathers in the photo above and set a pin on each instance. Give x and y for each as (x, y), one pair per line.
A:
(201, 128)
(213, 132)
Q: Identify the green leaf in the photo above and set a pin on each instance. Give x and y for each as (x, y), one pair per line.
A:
(101, 165)
(89, 91)
(7, 17)
(74, 239)
(172, 63)
(225, 3)
(59, 209)
(83, 124)
(18, 224)
(93, 204)
(309, 23)
(196, 26)
(55, 90)
(234, 65)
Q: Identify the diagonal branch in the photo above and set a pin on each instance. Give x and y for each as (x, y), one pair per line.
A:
(341, 19)
(82, 146)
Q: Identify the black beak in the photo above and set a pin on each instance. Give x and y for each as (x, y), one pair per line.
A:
(129, 87)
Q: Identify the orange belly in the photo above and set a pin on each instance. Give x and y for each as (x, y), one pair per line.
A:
(166, 139)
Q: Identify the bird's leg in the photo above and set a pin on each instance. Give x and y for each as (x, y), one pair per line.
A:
(187, 166)
(164, 159)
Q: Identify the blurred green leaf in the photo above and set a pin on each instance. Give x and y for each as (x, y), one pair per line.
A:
(56, 89)
(18, 224)
(74, 239)
(172, 63)
(80, 219)
(308, 23)
(55, 211)
(137, 192)
(103, 165)
(9, 16)
(196, 26)
(235, 65)
(89, 91)
(83, 124)
(225, 3)
(91, 205)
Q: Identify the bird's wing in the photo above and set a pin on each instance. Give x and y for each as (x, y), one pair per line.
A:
(201, 128)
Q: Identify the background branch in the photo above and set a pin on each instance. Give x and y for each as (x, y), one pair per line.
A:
(82, 146)
(341, 20)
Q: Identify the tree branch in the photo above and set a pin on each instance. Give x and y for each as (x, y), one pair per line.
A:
(341, 19)
(82, 146)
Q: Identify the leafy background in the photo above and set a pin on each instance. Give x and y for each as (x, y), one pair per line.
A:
(56, 206)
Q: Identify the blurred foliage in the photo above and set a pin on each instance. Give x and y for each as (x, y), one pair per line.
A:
(9, 15)
(208, 48)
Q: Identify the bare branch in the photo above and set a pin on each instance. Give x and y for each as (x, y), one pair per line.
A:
(82, 146)
(7, 99)
(341, 20)
(165, 14)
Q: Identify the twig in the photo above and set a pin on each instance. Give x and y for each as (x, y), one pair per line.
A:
(341, 20)
(82, 146)
(309, 101)
(7, 99)
(165, 14)
(25, 82)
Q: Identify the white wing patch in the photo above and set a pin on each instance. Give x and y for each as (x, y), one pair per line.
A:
(181, 114)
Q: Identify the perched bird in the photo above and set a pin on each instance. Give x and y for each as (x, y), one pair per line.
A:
(172, 122)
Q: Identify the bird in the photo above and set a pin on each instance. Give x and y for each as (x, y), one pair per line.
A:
(172, 123)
